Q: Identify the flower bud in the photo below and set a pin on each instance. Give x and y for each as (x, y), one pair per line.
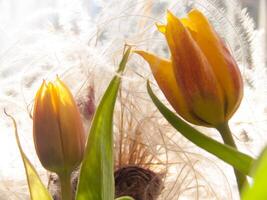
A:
(57, 128)
(201, 80)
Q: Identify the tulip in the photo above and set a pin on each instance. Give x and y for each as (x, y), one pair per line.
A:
(201, 80)
(58, 132)
(57, 128)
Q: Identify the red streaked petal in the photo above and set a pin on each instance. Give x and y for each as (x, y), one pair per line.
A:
(219, 57)
(193, 73)
(163, 72)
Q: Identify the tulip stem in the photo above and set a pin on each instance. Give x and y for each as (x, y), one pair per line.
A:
(65, 183)
(229, 140)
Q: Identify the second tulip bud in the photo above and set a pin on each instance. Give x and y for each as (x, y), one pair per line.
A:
(57, 128)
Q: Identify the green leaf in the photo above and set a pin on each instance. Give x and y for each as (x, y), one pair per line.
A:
(37, 189)
(124, 198)
(258, 188)
(96, 177)
(238, 160)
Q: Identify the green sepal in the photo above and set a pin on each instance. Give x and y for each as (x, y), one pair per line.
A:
(37, 189)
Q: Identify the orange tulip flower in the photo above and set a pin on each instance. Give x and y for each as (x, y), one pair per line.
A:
(201, 80)
(57, 128)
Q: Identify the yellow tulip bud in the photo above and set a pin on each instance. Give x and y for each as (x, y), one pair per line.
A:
(57, 128)
(201, 80)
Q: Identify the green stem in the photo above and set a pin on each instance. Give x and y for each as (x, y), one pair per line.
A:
(229, 140)
(65, 183)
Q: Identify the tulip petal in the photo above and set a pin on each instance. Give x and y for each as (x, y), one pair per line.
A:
(219, 57)
(161, 28)
(163, 72)
(70, 125)
(46, 129)
(193, 74)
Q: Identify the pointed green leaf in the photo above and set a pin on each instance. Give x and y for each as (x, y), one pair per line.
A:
(96, 177)
(124, 198)
(258, 188)
(37, 189)
(238, 160)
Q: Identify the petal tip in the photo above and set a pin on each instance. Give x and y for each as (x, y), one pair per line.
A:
(140, 52)
(197, 14)
(170, 16)
(143, 54)
(161, 28)
(43, 83)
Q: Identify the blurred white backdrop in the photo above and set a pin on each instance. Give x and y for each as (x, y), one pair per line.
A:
(78, 38)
